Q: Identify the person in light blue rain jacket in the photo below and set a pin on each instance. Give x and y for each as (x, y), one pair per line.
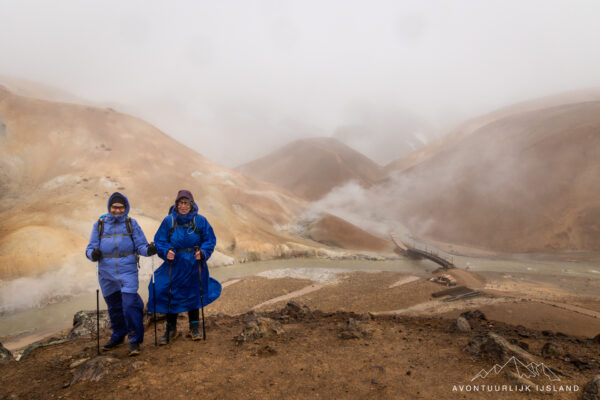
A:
(116, 243)
(185, 240)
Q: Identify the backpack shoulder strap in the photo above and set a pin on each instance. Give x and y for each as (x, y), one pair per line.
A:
(129, 228)
(130, 231)
(101, 226)
(172, 226)
(196, 230)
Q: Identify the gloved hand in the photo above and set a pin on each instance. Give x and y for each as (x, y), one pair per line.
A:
(96, 254)
(199, 254)
(151, 249)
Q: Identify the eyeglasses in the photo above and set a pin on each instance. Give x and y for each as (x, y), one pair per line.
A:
(118, 207)
(183, 203)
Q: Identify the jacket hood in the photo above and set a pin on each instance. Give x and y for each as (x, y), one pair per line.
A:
(184, 218)
(118, 194)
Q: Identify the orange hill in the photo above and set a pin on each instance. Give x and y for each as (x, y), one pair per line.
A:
(524, 181)
(310, 168)
(336, 232)
(59, 162)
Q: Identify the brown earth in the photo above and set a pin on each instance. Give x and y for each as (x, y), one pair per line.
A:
(310, 168)
(401, 355)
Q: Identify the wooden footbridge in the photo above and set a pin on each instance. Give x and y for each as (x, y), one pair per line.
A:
(418, 254)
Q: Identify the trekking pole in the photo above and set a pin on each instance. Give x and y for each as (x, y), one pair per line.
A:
(201, 294)
(98, 313)
(169, 302)
(154, 296)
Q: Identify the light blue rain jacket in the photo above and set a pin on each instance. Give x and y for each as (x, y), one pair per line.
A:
(117, 270)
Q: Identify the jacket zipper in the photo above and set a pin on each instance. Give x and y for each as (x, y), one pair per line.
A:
(116, 258)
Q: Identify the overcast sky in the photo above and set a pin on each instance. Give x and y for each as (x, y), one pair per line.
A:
(235, 79)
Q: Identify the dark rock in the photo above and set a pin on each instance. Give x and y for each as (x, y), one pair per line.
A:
(35, 345)
(94, 370)
(366, 316)
(84, 323)
(296, 311)
(591, 390)
(5, 355)
(352, 330)
(259, 328)
(597, 338)
(475, 315)
(552, 350)
(495, 347)
(547, 333)
(522, 331)
(578, 362)
(250, 316)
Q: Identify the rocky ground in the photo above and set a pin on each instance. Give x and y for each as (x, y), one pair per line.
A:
(360, 335)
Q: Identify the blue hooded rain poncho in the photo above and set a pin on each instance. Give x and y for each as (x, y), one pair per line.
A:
(184, 278)
(118, 271)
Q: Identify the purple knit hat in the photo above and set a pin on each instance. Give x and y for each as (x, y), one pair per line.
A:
(184, 193)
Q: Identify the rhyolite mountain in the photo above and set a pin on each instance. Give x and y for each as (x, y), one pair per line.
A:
(522, 179)
(311, 167)
(59, 162)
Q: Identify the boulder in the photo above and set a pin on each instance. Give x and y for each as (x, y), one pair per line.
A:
(474, 315)
(84, 323)
(552, 350)
(95, 369)
(352, 330)
(367, 316)
(42, 343)
(495, 347)
(259, 327)
(591, 390)
(5, 355)
(296, 311)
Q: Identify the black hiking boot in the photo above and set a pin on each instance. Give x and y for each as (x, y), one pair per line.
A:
(111, 345)
(134, 349)
(195, 331)
(169, 336)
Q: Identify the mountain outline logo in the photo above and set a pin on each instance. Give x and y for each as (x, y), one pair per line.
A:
(531, 370)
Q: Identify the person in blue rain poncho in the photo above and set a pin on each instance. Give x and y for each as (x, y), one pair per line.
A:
(185, 240)
(116, 243)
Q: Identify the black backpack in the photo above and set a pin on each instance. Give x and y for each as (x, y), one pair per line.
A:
(129, 231)
(174, 224)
